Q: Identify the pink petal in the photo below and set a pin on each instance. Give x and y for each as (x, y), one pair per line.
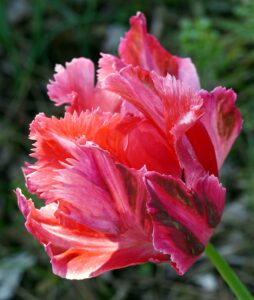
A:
(89, 250)
(182, 107)
(222, 120)
(187, 73)
(106, 101)
(192, 169)
(73, 85)
(23, 204)
(109, 64)
(164, 100)
(139, 48)
(183, 219)
(100, 221)
(92, 174)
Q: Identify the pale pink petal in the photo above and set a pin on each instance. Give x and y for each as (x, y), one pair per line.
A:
(187, 73)
(109, 64)
(73, 85)
(222, 120)
(183, 219)
(139, 48)
(182, 107)
(106, 101)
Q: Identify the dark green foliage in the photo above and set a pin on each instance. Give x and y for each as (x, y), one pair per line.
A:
(218, 35)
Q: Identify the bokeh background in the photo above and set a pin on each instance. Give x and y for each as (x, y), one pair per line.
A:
(36, 34)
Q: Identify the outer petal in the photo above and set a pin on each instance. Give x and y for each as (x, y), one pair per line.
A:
(164, 100)
(100, 222)
(142, 49)
(222, 120)
(54, 140)
(74, 254)
(126, 137)
(183, 219)
(74, 86)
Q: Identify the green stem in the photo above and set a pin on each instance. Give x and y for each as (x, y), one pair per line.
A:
(233, 281)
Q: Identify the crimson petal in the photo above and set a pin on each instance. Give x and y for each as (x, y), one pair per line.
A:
(183, 218)
(222, 120)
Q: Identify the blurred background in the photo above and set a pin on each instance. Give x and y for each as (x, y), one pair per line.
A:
(37, 34)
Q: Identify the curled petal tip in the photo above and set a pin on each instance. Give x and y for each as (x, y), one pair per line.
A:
(23, 203)
(222, 120)
(140, 18)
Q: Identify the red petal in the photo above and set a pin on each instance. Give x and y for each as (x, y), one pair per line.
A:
(183, 219)
(203, 147)
(222, 120)
(100, 222)
(126, 137)
(139, 48)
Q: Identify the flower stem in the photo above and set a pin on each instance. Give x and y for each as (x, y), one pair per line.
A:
(233, 281)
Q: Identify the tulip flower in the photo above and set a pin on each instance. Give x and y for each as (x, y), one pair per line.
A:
(130, 173)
